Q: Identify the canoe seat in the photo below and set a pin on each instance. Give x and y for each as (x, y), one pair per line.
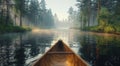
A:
(60, 53)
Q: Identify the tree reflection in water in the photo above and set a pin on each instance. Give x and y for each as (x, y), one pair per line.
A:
(16, 49)
(20, 57)
(98, 50)
(5, 53)
(101, 50)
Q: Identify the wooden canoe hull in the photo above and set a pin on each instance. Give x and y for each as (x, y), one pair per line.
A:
(60, 55)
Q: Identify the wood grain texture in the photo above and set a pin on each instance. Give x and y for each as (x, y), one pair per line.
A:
(60, 55)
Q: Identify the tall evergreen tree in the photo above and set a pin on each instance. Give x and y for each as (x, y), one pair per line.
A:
(34, 11)
(20, 7)
(43, 5)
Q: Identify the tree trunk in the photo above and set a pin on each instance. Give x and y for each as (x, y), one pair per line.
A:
(89, 11)
(7, 17)
(98, 10)
(20, 19)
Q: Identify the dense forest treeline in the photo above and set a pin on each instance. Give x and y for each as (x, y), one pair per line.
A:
(33, 11)
(99, 15)
(36, 12)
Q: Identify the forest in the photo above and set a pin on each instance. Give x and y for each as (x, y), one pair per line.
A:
(22, 15)
(98, 15)
(60, 32)
(92, 15)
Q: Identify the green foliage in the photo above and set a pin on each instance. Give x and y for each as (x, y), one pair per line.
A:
(106, 29)
(4, 29)
(33, 10)
(104, 23)
(117, 27)
(107, 14)
(103, 17)
(20, 6)
(104, 13)
(2, 20)
(109, 29)
(94, 28)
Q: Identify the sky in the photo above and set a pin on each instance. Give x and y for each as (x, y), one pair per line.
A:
(60, 7)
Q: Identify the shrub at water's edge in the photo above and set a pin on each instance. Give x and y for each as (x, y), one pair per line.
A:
(105, 29)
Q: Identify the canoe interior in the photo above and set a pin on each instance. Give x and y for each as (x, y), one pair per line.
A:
(60, 55)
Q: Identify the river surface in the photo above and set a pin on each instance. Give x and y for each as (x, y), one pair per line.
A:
(22, 49)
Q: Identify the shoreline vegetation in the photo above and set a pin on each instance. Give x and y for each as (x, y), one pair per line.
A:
(106, 22)
(102, 18)
(12, 29)
(106, 29)
(96, 29)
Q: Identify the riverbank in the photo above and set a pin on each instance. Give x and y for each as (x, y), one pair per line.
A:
(96, 29)
(107, 29)
(9, 29)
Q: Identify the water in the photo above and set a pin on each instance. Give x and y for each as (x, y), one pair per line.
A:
(22, 49)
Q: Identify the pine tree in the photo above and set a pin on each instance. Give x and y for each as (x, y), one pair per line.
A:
(43, 5)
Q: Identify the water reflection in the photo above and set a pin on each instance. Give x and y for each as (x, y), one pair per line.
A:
(101, 50)
(15, 49)
(21, 49)
(19, 57)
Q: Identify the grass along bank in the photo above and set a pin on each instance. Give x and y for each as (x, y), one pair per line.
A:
(106, 29)
(8, 29)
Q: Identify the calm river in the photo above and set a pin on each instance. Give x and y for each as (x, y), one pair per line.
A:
(22, 49)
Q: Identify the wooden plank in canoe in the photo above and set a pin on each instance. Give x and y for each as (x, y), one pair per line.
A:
(60, 55)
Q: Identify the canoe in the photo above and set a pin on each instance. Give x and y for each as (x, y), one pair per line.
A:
(60, 55)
